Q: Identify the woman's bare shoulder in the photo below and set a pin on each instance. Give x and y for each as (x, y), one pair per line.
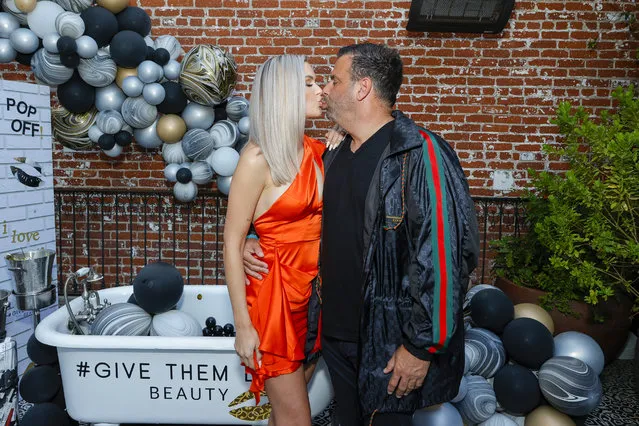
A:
(253, 158)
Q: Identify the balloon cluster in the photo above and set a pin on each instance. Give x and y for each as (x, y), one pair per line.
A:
(41, 385)
(513, 364)
(116, 84)
(213, 329)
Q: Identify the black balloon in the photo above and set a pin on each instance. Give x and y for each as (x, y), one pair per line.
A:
(76, 95)
(132, 299)
(158, 287)
(71, 60)
(491, 310)
(24, 58)
(134, 19)
(128, 49)
(66, 45)
(123, 138)
(229, 330)
(40, 384)
(150, 52)
(218, 330)
(207, 332)
(517, 389)
(528, 342)
(184, 175)
(211, 323)
(47, 414)
(220, 112)
(161, 56)
(40, 353)
(59, 400)
(174, 99)
(99, 24)
(106, 141)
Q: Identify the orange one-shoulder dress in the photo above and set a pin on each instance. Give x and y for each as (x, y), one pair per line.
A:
(289, 235)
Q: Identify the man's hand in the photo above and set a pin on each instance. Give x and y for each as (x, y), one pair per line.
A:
(252, 265)
(408, 371)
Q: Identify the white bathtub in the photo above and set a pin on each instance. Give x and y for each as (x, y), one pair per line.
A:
(154, 379)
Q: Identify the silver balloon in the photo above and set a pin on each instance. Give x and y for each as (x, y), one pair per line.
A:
(109, 97)
(198, 116)
(50, 42)
(132, 86)
(153, 93)
(224, 161)
(185, 192)
(438, 415)
(224, 184)
(149, 72)
(149, 41)
(580, 346)
(8, 24)
(95, 133)
(23, 40)
(7, 53)
(137, 113)
(42, 19)
(173, 153)
(170, 172)
(148, 137)
(244, 125)
(114, 152)
(169, 43)
(171, 70)
(87, 47)
(69, 24)
(109, 122)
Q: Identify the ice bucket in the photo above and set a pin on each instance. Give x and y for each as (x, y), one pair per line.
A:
(31, 270)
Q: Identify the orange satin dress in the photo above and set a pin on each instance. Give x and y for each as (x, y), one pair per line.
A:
(289, 233)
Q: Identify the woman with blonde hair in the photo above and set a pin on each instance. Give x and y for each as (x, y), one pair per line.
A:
(277, 187)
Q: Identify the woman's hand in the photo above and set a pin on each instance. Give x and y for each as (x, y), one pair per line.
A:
(247, 344)
(334, 137)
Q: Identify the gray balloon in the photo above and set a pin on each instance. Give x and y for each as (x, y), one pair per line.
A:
(8, 24)
(442, 415)
(580, 346)
(109, 97)
(169, 43)
(149, 41)
(10, 7)
(114, 152)
(69, 24)
(185, 192)
(149, 72)
(244, 125)
(86, 47)
(170, 172)
(197, 116)
(50, 42)
(23, 40)
(137, 113)
(95, 133)
(48, 69)
(148, 137)
(132, 86)
(171, 70)
(7, 53)
(201, 172)
(153, 93)
(224, 184)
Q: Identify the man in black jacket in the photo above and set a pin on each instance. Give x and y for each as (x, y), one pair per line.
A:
(399, 240)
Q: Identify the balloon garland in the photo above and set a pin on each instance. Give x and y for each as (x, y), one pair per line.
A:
(116, 85)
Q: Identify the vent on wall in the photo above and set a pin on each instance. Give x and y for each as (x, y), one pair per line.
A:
(462, 16)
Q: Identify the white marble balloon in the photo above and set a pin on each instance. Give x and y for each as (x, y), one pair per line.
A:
(48, 69)
(69, 24)
(173, 153)
(201, 171)
(75, 5)
(137, 113)
(225, 133)
(175, 324)
(122, 319)
(171, 44)
(197, 144)
(95, 133)
(98, 71)
(480, 402)
(498, 419)
(185, 192)
(109, 122)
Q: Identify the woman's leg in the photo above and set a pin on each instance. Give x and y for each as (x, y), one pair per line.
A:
(309, 369)
(289, 398)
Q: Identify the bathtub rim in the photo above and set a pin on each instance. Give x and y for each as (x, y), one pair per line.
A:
(47, 330)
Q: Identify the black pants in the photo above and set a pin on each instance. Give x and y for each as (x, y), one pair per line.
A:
(341, 359)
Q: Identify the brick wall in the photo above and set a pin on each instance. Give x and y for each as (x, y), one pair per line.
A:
(490, 95)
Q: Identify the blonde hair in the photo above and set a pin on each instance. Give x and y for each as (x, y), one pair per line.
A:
(277, 113)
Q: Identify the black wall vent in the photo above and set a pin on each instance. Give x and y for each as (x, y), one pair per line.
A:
(460, 16)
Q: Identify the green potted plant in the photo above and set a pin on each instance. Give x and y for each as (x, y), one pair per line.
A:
(580, 256)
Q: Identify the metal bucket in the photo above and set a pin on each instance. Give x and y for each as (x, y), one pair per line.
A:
(4, 305)
(31, 270)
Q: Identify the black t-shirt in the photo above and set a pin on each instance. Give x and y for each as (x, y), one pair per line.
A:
(345, 189)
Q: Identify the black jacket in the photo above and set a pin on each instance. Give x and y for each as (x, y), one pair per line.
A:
(416, 270)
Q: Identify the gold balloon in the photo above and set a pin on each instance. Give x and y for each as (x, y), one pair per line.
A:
(114, 6)
(25, 6)
(545, 415)
(123, 73)
(171, 128)
(536, 312)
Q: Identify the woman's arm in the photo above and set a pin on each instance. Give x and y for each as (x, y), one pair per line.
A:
(247, 186)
